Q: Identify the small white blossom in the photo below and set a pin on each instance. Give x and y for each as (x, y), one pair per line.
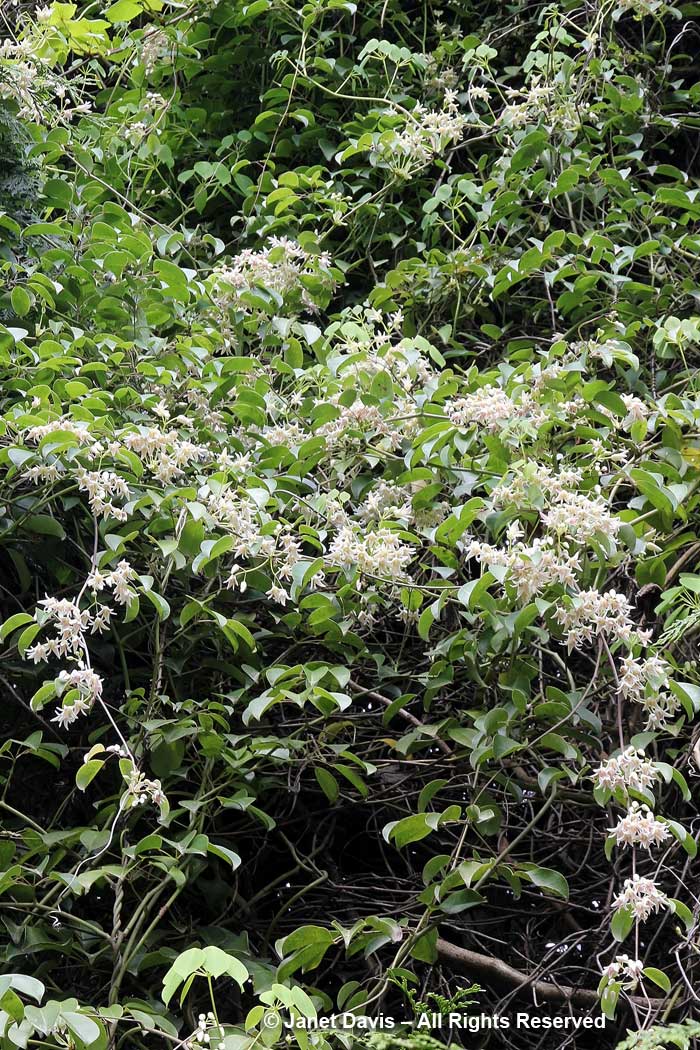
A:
(639, 827)
(643, 897)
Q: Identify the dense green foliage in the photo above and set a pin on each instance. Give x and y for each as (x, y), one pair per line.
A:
(350, 485)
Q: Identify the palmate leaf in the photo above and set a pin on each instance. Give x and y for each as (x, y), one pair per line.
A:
(206, 962)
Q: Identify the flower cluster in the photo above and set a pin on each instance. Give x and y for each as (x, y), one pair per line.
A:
(102, 487)
(386, 500)
(534, 482)
(642, 896)
(62, 425)
(426, 133)
(279, 267)
(288, 435)
(155, 46)
(627, 969)
(492, 408)
(140, 790)
(527, 106)
(20, 77)
(541, 101)
(568, 513)
(201, 1036)
(117, 579)
(376, 553)
(581, 517)
(164, 453)
(593, 614)
(84, 688)
(531, 567)
(241, 517)
(365, 346)
(353, 421)
(70, 621)
(639, 827)
(42, 472)
(646, 682)
(80, 686)
(630, 769)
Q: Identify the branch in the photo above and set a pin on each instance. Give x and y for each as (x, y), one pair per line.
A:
(402, 713)
(503, 975)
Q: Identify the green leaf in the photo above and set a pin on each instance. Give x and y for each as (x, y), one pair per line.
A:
(27, 637)
(13, 623)
(186, 964)
(530, 149)
(224, 853)
(87, 772)
(409, 829)
(45, 526)
(425, 947)
(622, 923)
(683, 912)
(658, 977)
(218, 963)
(123, 11)
(327, 783)
(352, 777)
(609, 998)
(21, 301)
(28, 986)
(87, 1030)
(162, 606)
(546, 879)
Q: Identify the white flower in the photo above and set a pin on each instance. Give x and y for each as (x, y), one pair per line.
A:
(65, 716)
(535, 480)
(64, 424)
(480, 92)
(636, 410)
(161, 410)
(85, 681)
(352, 421)
(70, 622)
(96, 580)
(277, 594)
(643, 897)
(140, 790)
(425, 134)
(44, 472)
(594, 614)
(101, 620)
(102, 486)
(629, 769)
(376, 553)
(514, 531)
(492, 408)
(639, 827)
(119, 579)
(646, 682)
(531, 568)
(582, 517)
(278, 267)
(623, 966)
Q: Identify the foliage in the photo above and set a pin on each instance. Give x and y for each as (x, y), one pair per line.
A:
(435, 1003)
(657, 1038)
(351, 470)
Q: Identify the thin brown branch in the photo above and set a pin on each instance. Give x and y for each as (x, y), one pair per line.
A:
(505, 976)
